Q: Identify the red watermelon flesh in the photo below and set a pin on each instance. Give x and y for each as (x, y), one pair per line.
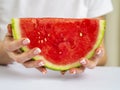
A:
(63, 41)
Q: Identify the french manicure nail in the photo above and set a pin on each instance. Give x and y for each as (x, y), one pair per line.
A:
(99, 52)
(41, 64)
(74, 72)
(26, 41)
(83, 61)
(37, 51)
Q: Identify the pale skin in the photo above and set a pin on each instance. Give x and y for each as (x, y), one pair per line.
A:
(9, 52)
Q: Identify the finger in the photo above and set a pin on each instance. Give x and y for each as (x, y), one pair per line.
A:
(9, 30)
(32, 64)
(98, 53)
(42, 69)
(93, 61)
(63, 72)
(24, 57)
(16, 44)
(77, 70)
(88, 63)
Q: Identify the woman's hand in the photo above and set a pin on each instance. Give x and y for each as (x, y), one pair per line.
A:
(12, 49)
(92, 63)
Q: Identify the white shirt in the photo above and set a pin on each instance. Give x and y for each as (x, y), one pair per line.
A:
(51, 8)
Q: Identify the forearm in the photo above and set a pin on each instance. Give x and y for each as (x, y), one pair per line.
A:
(4, 58)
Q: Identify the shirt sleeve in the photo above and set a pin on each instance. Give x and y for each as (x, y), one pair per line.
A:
(98, 8)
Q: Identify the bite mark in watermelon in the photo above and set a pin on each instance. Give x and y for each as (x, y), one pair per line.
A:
(63, 41)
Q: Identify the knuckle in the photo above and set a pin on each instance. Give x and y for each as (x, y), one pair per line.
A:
(29, 64)
(18, 59)
(19, 43)
(30, 55)
(9, 48)
(26, 66)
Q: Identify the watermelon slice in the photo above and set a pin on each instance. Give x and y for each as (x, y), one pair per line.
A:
(63, 41)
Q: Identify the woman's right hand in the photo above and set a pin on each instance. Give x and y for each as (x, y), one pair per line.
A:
(12, 48)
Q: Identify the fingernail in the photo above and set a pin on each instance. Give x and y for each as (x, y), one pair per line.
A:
(37, 51)
(26, 41)
(73, 72)
(99, 52)
(83, 61)
(44, 72)
(41, 64)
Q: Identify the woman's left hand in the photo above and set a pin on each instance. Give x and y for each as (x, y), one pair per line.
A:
(85, 63)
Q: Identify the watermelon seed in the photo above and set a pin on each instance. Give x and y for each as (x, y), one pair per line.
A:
(45, 39)
(41, 41)
(60, 52)
(64, 39)
(39, 37)
(48, 35)
(38, 33)
(81, 34)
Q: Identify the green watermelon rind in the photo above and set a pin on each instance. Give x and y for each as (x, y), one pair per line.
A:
(102, 24)
(16, 34)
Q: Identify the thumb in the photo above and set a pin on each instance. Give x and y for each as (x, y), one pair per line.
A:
(9, 30)
(94, 60)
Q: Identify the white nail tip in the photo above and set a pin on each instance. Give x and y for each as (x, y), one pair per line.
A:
(26, 41)
(37, 51)
(74, 72)
(41, 64)
(99, 52)
(83, 61)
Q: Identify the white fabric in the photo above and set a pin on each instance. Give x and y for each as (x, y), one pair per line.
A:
(51, 8)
